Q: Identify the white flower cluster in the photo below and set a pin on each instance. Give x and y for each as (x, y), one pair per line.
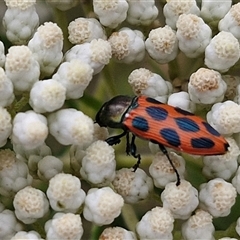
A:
(59, 178)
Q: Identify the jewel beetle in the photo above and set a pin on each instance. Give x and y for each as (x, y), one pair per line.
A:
(161, 124)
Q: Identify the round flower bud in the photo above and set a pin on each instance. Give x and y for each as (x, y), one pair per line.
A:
(14, 173)
(29, 129)
(83, 30)
(236, 180)
(174, 8)
(64, 193)
(97, 54)
(117, 233)
(64, 226)
(217, 197)
(32, 235)
(206, 86)
(212, 11)
(141, 12)
(46, 45)
(127, 45)
(132, 186)
(110, 13)
(75, 77)
(9, 224)
(77, 129)
(222, 166)
(225, 117)
(16, 20)
(198, 226)
(48, 167)
(30, 205)
(222, 52)
(21, 67)
(181, 100)
(102, 206)
(233, 87)
(156, 224)
(238, 226)
(181, 200)
(6, 89)
(5, 126)
(161, 170)
(47, 96)
(2, 54)
(193, 35)
(144, 82)
(98, 164)
(63, 5)
(162, 44)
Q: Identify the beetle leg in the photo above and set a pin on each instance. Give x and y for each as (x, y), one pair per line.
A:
(116, 139)
(133, 151)
(165, 152)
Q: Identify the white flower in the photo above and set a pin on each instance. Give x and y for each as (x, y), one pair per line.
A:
(14, 173)
(110, 13)
(145, 82)
(22, 235)
(199, 226)
(156, 224)
(181, 100)
(6, 89)
(2, 54)
(100, 133)
(98, 164)
(132, 186)
(231, 22)
(162, 171)
(29, 129)
(5, 126)
(213, 11)
(174, 8)
(63, 5)
(75, 77)
(141, 12)
(233, 87)
(225, 117)
(8, 224)
(222, 52)
(48, 167)
(21, 67)
(162, 44)
(181, 200)
(117, 233)
(64, 226)
(127, 45)
(236, 180)
(102, 206)
(193, 35)
(64, 193)
(238, 226)
(30, 205)
(222, 166)
(217, 197)
(97, 54)
(83, 30)
(206, 86)
(46, 45)
(47, 96)
(16, 20)
(77, 129)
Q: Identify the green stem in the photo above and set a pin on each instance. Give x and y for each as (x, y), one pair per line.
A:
(129, 217)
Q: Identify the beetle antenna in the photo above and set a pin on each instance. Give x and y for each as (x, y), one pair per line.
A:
(165, 152)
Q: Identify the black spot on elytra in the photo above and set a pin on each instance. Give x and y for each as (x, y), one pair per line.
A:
(187, 124)
(152, 100)
(140, 123)
(171, 136)
(210, 129)
(202, 142)
(157, 113)
(183, 112)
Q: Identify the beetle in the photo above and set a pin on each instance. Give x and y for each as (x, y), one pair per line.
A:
(161, 124)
